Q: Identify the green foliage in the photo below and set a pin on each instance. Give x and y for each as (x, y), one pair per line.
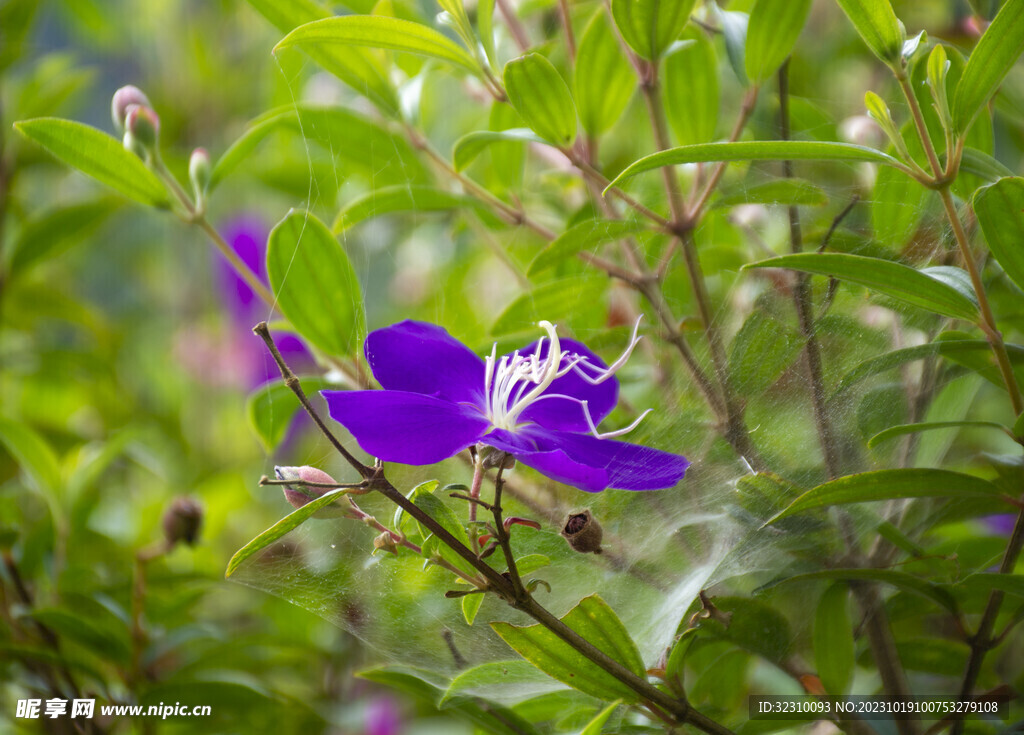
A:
(989, 63)
(541, 97)
(595, 622)
(650, 26)
(379, 32)
(853, 459)
(772, 33)
(97, 154)
(315, 284)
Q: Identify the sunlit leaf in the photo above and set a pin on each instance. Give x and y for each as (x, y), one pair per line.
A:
(293, 520)
(650, 26)
(97, 154)
(756, 150)
(315, 284)
(878, 26)
(379, 31)
(898, 281)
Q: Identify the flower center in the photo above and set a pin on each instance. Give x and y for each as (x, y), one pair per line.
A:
(515, 382)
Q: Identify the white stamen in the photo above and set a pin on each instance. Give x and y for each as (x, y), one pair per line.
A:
(515, 382)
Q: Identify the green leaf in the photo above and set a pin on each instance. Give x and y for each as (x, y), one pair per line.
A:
(97, 154)
(780, 191)
(549, 301)
(596, 725)
(904, 429)
(898, 281)
(541, 97)
(761, 350)
(485, 28)
(315, 284)
(471, 145)
(989, 63)
(1018, 426)
(379, 31)
(56, 230)
(74, 626)
(754, 150)
(772, 32)
(337, 129)
(690, 94)
(754, 626)
(271, 408)
(833, 640)
(459, 20)
(900, 580)
(581, 237)
(947, 347)
(293, 520)
(890, 485)
(604, 79)
(982, 164)
(988, 582)
(595, 622)
(471, 606)
(355, 66)
(391, 199)
(878, 26)
(531, 563)
(482, 680)
(651, 26)
(898, 203)
(1000, 210)
(32, 453)
(734, 31)
(436, 509)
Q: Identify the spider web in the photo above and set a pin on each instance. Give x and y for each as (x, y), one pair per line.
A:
(661, 548)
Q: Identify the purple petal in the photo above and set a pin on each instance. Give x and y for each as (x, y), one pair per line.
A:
(553, 463)
(423, 358)
(247, 236)
(563, 414)
(409, 428)
(627, 466)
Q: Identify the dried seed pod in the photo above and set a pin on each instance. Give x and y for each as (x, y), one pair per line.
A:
(583, 532)
(182, 521)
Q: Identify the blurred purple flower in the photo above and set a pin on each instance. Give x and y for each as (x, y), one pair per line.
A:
(542, 404)
(247, 236)
(382, 717)
(1002, 524)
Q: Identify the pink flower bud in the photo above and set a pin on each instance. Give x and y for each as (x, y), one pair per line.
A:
(143, 124)
(182, 521)
(128, 95)
(299, 495)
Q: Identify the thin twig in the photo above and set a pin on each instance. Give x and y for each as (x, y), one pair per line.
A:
(804, 308)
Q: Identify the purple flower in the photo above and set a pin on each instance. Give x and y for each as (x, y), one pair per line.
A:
(247, 236)
(542, 404)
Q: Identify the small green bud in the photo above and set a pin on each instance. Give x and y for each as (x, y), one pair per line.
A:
(199, 172)
(182, 521)
(144, 125)
(125, 96)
